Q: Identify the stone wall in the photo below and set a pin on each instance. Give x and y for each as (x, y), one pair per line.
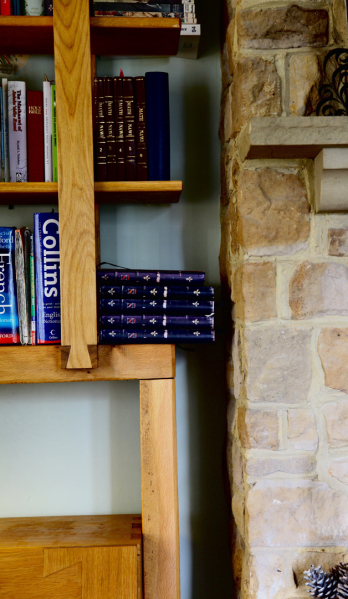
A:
(286, 270)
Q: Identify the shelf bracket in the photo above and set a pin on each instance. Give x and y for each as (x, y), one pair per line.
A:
(65, 355)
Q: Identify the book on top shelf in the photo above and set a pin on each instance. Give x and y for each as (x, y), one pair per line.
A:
(35, 136)
(17, 131)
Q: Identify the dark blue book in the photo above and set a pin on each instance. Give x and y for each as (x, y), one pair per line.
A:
(143, 306)
(149, 277)
(9, 324)
(112, 321)
(48, 8)
(119, 336)
(47, 277)
(155, 291)
(157, 126)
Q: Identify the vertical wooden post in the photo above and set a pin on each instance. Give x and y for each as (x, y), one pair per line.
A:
(72, 51)
(159, 489)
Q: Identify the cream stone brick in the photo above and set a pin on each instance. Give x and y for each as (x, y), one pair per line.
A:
(333, 352)
(288, 465)
(296, 513)
(258, 429)
(266, 576)
(273, 211)
(278, 365)
(238, 510)
(283, 27)
(302, 432)
(336, 420)
(237, 467)
(338, 468)
(305, 75)
(338, 242)
(228, 115)
(254, 292)
(255, 90)
(319, 289)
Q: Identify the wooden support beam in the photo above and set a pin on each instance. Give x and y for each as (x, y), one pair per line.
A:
(159, 485)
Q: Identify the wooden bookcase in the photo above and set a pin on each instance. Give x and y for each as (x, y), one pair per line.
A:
(75, 39)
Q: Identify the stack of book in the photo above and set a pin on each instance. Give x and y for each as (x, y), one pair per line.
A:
(28, 128)
(131, 128)
(175, 9)
(154, 307)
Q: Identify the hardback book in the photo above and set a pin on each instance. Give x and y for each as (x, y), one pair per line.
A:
(139, 7)
(152, 1)
(6, 7)
(119, 125)
(32, 292)
(26, 243)
(54, 136)
(21, 289)
(47, 123)
(156, 292)
(48, 8)
(119, 336)
(17, 131)
(35, 132)
(100, 128)
(4, 128)
(129, 128)
(144, 306)
(9, 324)
(140, 113)
(152, 277)
(185, 17)
(109, 109)
(34, 8)
(47, 277)
(158, 126)
(124, 321)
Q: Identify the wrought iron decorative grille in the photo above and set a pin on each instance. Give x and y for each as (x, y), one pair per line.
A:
(333, 93)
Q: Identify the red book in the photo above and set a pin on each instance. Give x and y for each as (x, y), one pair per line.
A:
(141, 128)
(129, 126)
(6, 7)
(35, 136)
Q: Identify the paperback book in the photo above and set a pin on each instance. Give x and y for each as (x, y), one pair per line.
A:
(17, 131)
(9, 324)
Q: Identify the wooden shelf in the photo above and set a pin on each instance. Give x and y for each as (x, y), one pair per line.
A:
(123, 192)
(109, 36)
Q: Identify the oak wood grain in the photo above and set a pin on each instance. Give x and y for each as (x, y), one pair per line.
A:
(159, 489)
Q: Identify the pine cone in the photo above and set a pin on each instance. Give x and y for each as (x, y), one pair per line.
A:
(342, 588)
(340, 570)
(322, 584)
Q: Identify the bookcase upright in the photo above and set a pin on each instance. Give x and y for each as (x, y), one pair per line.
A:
(75, 39)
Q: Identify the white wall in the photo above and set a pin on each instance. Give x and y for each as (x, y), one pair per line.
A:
(74, 449)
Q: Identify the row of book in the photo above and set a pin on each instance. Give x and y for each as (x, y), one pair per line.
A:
(154, 307)
(131, 128)
(32, 8)
(28, 127)
(177, 9)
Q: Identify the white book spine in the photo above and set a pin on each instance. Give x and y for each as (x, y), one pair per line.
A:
(17, 131)
(5, 113)
(47, 104)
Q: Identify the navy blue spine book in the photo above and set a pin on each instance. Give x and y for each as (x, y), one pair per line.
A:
(144, 291)
(150, 277)
(157, 126)
(143, 306)
(119, 336)
(47, 277)
(9, 324)
(112, 321)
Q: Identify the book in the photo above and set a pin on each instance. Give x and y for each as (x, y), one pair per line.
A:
(21, 289)
(47, 107)
(34, 8)
(140, 113)
(158, 126)
(129, 128)
(6, 7)
(101, 133)
(124, 321)
(145, 277)
(109, 109)
(32, 292)
(26, 236)
(158, 292)
(118, 336)
(48, 8)
(54, 135)
(144, 306)
(1, 140)
(35, 135)
(152, 2)
(139, 7)
(189, 41)
(47, 278)
(119, 129)
(185, 18)
(17, 131)
(6, 158)
(9, 323)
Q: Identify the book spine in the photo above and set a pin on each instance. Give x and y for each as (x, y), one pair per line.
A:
(32, 292)
(129, 126)
(146, 277)
(140, 306)
(26, 234)
(110, 129)
(48, 8)
(9, 323)
(119, 125)
(47, 104)
(1, 140)
(17, 131)
(34, 8)
(47, 277)
(6, 7)
(6, 145)
(155, 336)
(163, 292)
(35, 132)
(158, 126)
(54, 136)
(139, 7)
(21, 289)
(141, 128)
(112, 321)
(145, 2)
(101, 133)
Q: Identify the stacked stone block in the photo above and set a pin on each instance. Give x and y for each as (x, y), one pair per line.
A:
(286, 270)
